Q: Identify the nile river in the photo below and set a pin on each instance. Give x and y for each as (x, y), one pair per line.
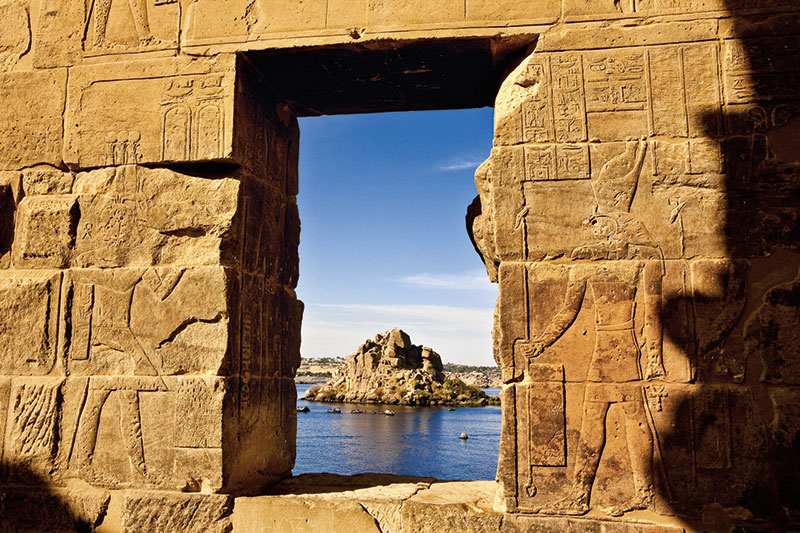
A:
(417, 441)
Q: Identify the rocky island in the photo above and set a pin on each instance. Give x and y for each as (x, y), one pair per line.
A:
(390, 369)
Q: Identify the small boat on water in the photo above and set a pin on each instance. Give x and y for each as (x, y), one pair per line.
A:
(356, 411)
(334, 410)
(463, 435)
(451, 408)
(303, 409)
(388, 412)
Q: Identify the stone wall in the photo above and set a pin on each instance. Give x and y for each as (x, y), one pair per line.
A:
(639, 211)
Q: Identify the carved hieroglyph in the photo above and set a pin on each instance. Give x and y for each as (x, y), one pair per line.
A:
(154, 309)
(613, 216)
(638, 209)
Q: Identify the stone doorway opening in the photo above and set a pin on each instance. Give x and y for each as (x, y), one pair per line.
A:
(383, 245)
(446, 74)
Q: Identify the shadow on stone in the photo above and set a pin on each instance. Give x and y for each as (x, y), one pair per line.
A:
(31, 503)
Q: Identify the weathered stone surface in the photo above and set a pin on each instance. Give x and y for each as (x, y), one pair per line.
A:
(364, 502)
(131, 216)
(45, 232)
(16, 39)
(531, 524)
(32, 125)
(175, 512)
(67, 32)
(46, 180)
(152, 111)
(254, 24)
(28, 510)
(28, 322)
(453, 506)
(639, 211)
(624, 211)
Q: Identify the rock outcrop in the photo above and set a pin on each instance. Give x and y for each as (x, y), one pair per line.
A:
(390, 369)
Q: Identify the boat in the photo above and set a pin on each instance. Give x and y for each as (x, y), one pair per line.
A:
(388, 412)
(303, 409)
(463, 435)
(334, 410)
(356, 411)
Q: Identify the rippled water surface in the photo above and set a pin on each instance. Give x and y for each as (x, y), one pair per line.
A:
(418, 441)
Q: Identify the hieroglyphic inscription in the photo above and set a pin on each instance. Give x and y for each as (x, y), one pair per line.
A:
(556, 113)
(556, 162)
(193, 118)
(760, 70)
(616, 94)
(568, 98)
(615, 82)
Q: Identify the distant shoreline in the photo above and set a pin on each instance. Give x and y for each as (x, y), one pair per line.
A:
(314, 371)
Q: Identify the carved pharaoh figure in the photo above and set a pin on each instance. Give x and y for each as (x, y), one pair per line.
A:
(618, 365)
(101, 9)
(111, 332)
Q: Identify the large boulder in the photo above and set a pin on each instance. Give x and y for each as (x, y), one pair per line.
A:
(390, 369)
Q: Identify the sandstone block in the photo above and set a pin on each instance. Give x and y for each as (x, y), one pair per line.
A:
(33, 117)
(517, 10)
(67, 32)
(44, 180)
(522, 523)
(371, 502)
(31, 438)
(278, 514)
(16, 40)
(451, 507)
(45, 233)
(135, 216)
(154, 321)
(578, 10)
(29, 509)
(28, 322)
(144, 511)
(152, 111)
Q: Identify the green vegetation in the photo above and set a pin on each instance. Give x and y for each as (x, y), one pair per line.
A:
(411, 392)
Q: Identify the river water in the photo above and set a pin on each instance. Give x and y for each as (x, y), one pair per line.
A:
(417, 441)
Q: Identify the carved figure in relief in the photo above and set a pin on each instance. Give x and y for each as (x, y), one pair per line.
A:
(618, 365)
(100, 10)
(111, 332)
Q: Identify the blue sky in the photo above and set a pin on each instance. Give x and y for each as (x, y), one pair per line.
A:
(383, 242)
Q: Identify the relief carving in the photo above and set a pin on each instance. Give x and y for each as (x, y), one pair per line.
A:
(193, 118)
(100, 37)
(625, 353)
(34, 416)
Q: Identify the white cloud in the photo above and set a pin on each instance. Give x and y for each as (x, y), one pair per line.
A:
(458, 334)
(462, 163)
(473, 280)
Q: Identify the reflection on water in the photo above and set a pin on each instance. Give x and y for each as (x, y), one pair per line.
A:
(418, 441)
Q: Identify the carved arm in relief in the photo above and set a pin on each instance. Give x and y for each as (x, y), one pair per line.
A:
(561, 321)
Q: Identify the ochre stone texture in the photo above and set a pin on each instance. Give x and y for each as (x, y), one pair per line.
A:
(639, 210)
